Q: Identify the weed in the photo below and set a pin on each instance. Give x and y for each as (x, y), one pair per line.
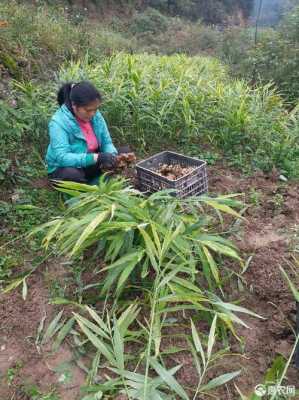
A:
(255, 197)
(278, 200)
(34, 393)
(12, 372)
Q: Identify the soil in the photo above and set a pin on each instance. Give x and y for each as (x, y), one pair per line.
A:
(31, 364)
(268, 236)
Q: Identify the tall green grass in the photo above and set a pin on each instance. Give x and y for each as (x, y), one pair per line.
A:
(155, 102)
(162, 99)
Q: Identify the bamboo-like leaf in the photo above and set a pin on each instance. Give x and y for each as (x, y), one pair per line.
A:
(63, 301)
(196, 360)
(197, 343)
(145, 268)
(64, 331)
(14, 284)
(224, 208)
(51, 233)
(156, 240)
(234, 307)
(52, 328)
(220, 380)
(170, 237)
(212, 264)
(169, 379)
(151, 250)
(211, 340)
(126, 272)
(81, 187)
(103, 347)
(127, 317)
(94, 367)
(125, 260)
(118, 345)
(220, 248)
(40, 328)
(169, 277)
(226, 318)
(43, 227)
(89, 230)
(187, 284)
(93, 327)
(291, 285)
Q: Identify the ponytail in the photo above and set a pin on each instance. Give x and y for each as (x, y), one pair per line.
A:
(80, 94)
(63, 95)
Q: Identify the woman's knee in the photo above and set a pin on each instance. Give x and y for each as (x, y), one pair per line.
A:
(69, 174)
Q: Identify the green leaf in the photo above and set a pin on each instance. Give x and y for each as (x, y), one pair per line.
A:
(211, 340)
(52, 328)
(212, 264)
(274, 373)
(131, 257)
(220, 380)
(220, 248)
(51, 233)
(94, 367)
(151, 250)
(99, 344)
(89, 229)
(234, 307)
(291, 285)
(224, 208)
(187, 284)
(118, 345)
(64, 331)
(14, 284)
(197, 343)
(93, 327)
(169, 379)
(127, 317)
(126, 272)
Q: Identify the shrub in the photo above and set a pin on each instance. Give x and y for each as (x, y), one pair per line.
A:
(150, 20)
(273, 59)
(181, 37)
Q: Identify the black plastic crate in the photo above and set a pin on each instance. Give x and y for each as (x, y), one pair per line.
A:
(192, 184)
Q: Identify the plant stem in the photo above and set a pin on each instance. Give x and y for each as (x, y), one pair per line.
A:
(149, 345)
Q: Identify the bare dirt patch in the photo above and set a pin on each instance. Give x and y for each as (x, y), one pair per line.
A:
(19, 354)
(267, 236)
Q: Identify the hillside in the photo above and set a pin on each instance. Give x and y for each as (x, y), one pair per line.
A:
(209, 11)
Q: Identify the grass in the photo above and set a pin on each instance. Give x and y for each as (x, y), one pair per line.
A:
(35, 36)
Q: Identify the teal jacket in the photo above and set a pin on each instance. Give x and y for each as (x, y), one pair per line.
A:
(68, 147)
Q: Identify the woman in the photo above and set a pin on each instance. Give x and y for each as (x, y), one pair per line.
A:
(80, 143)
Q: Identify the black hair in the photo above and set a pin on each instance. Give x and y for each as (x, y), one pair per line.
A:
(80, 94)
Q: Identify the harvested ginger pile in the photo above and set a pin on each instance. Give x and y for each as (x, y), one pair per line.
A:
(125, 160)
(173, 171)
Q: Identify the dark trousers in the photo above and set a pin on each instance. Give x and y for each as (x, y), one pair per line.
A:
(81, 175)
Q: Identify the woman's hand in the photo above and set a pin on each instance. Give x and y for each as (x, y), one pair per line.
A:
(106, 161)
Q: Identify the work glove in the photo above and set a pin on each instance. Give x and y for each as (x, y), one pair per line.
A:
(106, 161)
